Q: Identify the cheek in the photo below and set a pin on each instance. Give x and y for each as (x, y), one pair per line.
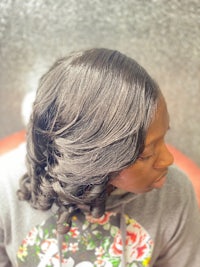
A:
(129, 179)
(136, 178)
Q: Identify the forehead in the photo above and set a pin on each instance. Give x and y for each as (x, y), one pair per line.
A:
(160, 123)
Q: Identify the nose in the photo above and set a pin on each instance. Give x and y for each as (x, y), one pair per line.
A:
(165, 158)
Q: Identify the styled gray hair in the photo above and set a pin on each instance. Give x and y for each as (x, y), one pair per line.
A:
(89, 120)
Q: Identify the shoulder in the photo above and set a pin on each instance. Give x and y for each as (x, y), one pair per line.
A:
(14, 212)
(178, 186)
(177, 195)
(12, 167)
(177, 176)
(11, 160)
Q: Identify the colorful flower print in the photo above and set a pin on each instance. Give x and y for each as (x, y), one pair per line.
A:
(90, 242)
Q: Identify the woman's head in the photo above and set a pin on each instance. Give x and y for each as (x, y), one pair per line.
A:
(89, 120)
(93, 109)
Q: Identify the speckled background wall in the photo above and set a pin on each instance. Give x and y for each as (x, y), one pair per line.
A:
(163, 36)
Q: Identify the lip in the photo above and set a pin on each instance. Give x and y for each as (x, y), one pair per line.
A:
(161, 177)
(159, 182)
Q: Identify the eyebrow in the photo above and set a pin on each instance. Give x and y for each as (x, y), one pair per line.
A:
(149, 144)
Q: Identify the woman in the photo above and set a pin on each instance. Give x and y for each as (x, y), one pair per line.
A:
(96, 157)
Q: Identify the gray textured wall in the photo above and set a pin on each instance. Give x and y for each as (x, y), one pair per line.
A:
(163, 36)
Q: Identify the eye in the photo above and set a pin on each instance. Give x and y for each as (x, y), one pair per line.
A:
(145, 157)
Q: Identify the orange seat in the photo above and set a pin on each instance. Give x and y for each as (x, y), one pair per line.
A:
(12, 141)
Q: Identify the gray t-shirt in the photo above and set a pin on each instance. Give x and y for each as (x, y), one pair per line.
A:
(160, 228)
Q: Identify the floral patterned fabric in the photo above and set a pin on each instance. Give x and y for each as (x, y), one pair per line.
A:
(90, 243)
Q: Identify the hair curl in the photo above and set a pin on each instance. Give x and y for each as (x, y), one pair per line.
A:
(90, 118)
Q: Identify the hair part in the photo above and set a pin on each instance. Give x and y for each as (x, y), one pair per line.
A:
(90, 118)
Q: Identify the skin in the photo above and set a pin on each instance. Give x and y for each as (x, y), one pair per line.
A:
(150, 169)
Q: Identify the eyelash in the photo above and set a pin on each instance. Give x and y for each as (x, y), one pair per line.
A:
(145, 157)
